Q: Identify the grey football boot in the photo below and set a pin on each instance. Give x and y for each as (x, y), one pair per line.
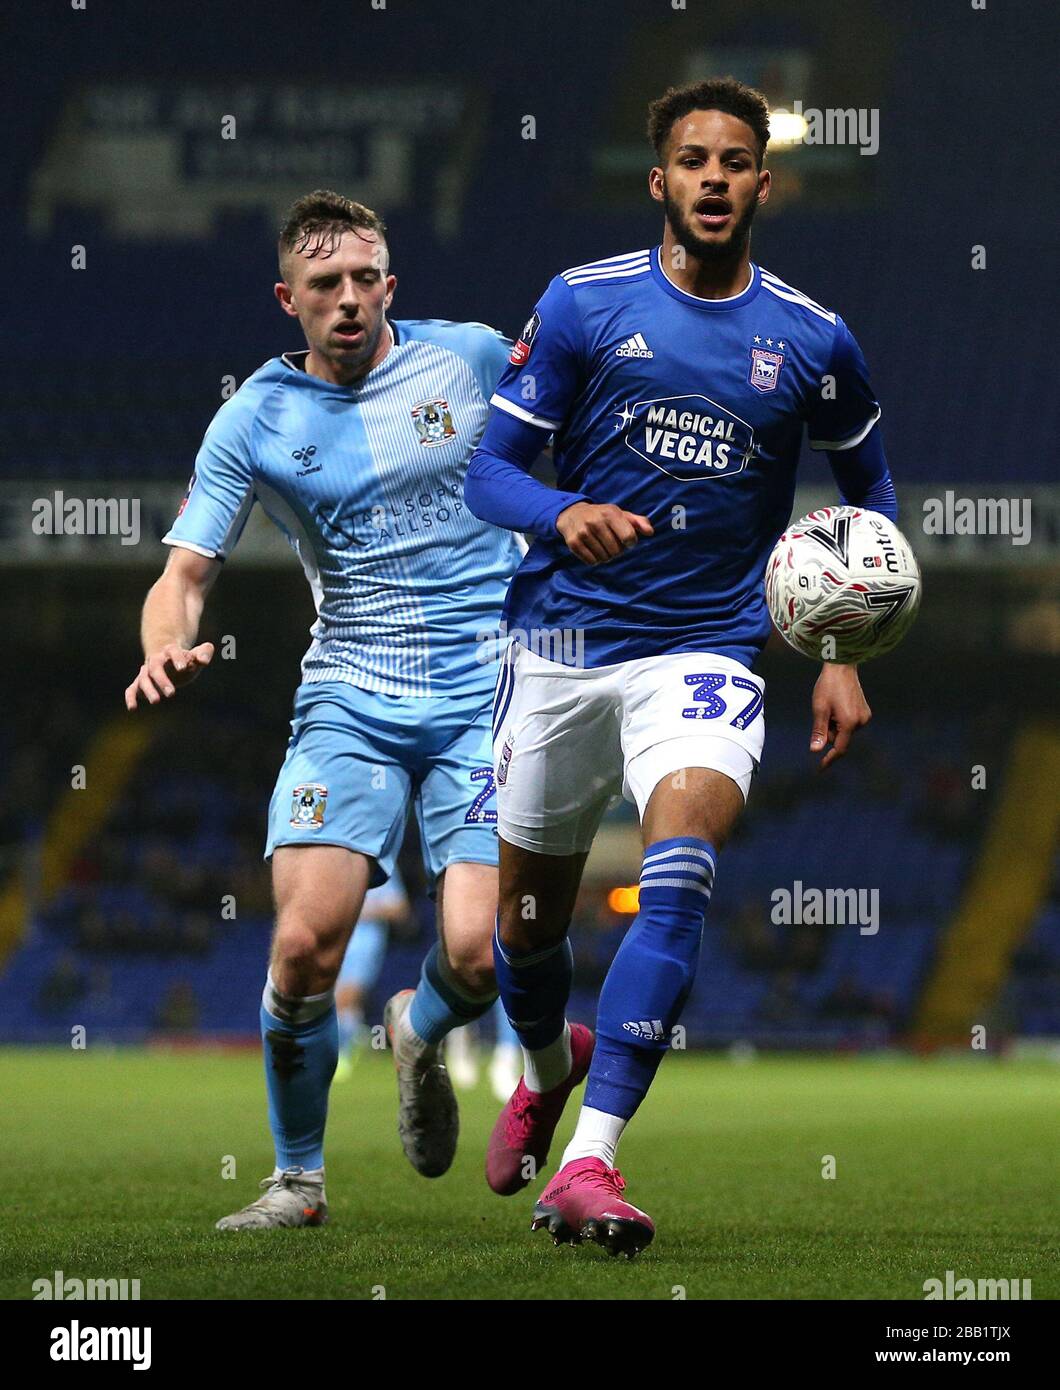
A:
(428, 1117)
(291, 1197)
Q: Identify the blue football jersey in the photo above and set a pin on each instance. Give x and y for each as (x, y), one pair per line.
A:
(366, 482)
(690, 412)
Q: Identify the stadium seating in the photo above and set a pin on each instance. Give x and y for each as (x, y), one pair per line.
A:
(136, 942)
(168, 319)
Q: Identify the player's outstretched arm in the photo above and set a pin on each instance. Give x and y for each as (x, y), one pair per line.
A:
(170, 625)
(839, 708)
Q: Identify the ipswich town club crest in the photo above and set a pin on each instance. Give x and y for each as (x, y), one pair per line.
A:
(505, 763)
(308, 805)
(433, 421)
(765, 369)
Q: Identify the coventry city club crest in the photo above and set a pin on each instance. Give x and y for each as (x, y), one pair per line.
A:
(308, 805)
(765, 369)
(433, 421)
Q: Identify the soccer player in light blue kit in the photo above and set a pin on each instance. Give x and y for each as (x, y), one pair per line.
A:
(357, 449)
(677, 383)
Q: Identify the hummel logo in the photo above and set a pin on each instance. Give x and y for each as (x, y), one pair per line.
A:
(634, 347)
(653, 1031)
(306, 456)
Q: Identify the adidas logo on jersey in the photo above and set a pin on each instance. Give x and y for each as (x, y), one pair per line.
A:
(634, 347)
(653, 1031)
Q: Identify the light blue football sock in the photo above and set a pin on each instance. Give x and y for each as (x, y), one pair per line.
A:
(440, 1004)
(301, 1040)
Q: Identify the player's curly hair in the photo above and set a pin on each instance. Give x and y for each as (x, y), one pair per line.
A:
(315, 224)
(713, 94)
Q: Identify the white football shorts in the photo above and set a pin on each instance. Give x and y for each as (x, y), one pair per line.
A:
(569, 741)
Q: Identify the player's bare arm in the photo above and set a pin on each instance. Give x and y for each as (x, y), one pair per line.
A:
(839, 709)
(596, 533)
(169, 626)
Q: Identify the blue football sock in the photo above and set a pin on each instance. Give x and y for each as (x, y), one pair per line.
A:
(440, 1004)
(535, 987)
(301, 1041)
(651, 974)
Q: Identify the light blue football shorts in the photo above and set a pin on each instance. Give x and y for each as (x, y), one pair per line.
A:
(356, 759)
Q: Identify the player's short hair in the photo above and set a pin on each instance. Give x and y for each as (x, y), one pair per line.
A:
(714, 94)
(316, 223)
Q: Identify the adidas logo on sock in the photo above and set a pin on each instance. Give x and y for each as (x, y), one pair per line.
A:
(634, 347)
(653, 1031)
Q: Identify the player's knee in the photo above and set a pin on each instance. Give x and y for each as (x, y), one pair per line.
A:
(305, 952)
(471, 963)
(526, 922)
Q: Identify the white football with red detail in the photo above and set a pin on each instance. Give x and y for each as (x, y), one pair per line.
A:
(843, 584)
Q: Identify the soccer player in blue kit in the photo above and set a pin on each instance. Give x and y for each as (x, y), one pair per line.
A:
(357, 449)
(676, 383)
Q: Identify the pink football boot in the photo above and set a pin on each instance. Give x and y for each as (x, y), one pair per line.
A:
(584, 1202)
(525, 1126)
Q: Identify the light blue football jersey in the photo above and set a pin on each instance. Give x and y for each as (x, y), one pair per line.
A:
(366, 482)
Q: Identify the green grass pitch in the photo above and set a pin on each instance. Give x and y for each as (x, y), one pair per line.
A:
(114, 1169)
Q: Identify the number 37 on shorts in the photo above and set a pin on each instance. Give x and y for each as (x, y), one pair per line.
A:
(566, 739)
(708, 703)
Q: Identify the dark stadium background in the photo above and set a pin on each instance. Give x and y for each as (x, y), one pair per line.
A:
(110, 896)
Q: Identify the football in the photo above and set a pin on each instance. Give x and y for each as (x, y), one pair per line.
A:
(843, 584)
